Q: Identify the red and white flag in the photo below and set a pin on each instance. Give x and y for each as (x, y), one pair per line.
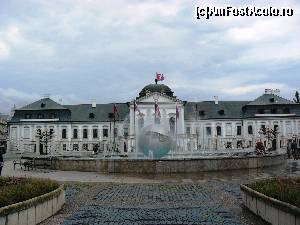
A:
(115, 111)
(136, 108)
(177, 113)
(157, 110)
(159, 76)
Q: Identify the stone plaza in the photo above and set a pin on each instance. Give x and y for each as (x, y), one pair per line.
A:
(194, 198)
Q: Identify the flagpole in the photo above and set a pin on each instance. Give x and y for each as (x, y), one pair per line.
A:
(114, 130)
(176, 129)
(134, 130)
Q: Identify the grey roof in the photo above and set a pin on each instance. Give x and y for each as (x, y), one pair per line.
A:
(43, 104)
(101, 112)
(156, 88)
(270, 99)
(232, 110)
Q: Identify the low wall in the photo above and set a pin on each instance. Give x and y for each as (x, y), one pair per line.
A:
(150, 166)
(271, 210)
(33, 211)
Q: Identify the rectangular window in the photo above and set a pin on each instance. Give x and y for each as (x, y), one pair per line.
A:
(239, 130)
(275, 127)
(228, 129)
(250, 129)
(14, 133)
(126, 132)
(208, 131)
(26, 133)
(75, 147)
(75, 133)
(51, 133)
(219, 131)
(95, 133)
(64, 147)
(289, 129)
(85, 147)
(188, 130)
(105, 132)
(85, 133)
(64, 133)
(116, 132)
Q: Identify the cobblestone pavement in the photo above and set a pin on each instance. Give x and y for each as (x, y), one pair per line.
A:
(206, 198)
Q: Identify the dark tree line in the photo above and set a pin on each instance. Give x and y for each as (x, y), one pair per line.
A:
(297, 99)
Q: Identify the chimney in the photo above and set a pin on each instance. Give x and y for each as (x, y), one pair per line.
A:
(94, 103)
(268, 91)
(276, 92)
(216, 98)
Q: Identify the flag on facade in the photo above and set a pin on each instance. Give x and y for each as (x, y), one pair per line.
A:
(157, 110)
(177, 113)
(136, 108)
(159, 76)
(115, 111)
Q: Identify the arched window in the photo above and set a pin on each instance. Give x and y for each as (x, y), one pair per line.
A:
(172, 125)
(250, 129)
(219, 131)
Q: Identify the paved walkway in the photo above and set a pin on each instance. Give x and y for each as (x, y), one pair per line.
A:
(182, 199)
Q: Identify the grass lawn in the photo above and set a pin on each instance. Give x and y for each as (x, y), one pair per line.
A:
(14, 190)
(283, 189)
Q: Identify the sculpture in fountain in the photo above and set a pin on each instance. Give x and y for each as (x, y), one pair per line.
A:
(155, 141)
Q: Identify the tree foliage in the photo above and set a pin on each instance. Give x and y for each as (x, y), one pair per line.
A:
(297, 98)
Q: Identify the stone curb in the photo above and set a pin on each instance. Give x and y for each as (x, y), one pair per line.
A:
(35, 210)
(270, 209)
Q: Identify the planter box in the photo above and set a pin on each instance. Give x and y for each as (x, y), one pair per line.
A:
(271, 210)
(33, 211)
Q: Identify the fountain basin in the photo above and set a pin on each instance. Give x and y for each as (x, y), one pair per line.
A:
(164, 166)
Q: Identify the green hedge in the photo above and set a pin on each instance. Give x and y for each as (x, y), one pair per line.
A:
(283, 189)
(14, 190)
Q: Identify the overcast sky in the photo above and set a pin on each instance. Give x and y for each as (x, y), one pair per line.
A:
(79, 50)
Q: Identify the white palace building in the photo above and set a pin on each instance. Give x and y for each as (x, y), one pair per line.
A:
(87, 129)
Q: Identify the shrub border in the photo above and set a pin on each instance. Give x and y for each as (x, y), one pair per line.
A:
(284, 206)
(17, 207)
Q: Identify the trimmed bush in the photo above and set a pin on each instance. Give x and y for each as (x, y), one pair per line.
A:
(283, 189)
(14, 190)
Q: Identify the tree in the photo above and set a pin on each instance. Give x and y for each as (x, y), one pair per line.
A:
(269, 134)
(297, 99)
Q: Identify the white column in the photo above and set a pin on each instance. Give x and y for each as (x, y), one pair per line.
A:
(181, 121)
(131, 132)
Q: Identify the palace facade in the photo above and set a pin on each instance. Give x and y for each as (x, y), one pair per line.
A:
(47, 127)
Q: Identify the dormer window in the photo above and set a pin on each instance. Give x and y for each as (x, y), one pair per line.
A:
(91, 115)
(221, 112)
(272, 100)
(43, 105)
